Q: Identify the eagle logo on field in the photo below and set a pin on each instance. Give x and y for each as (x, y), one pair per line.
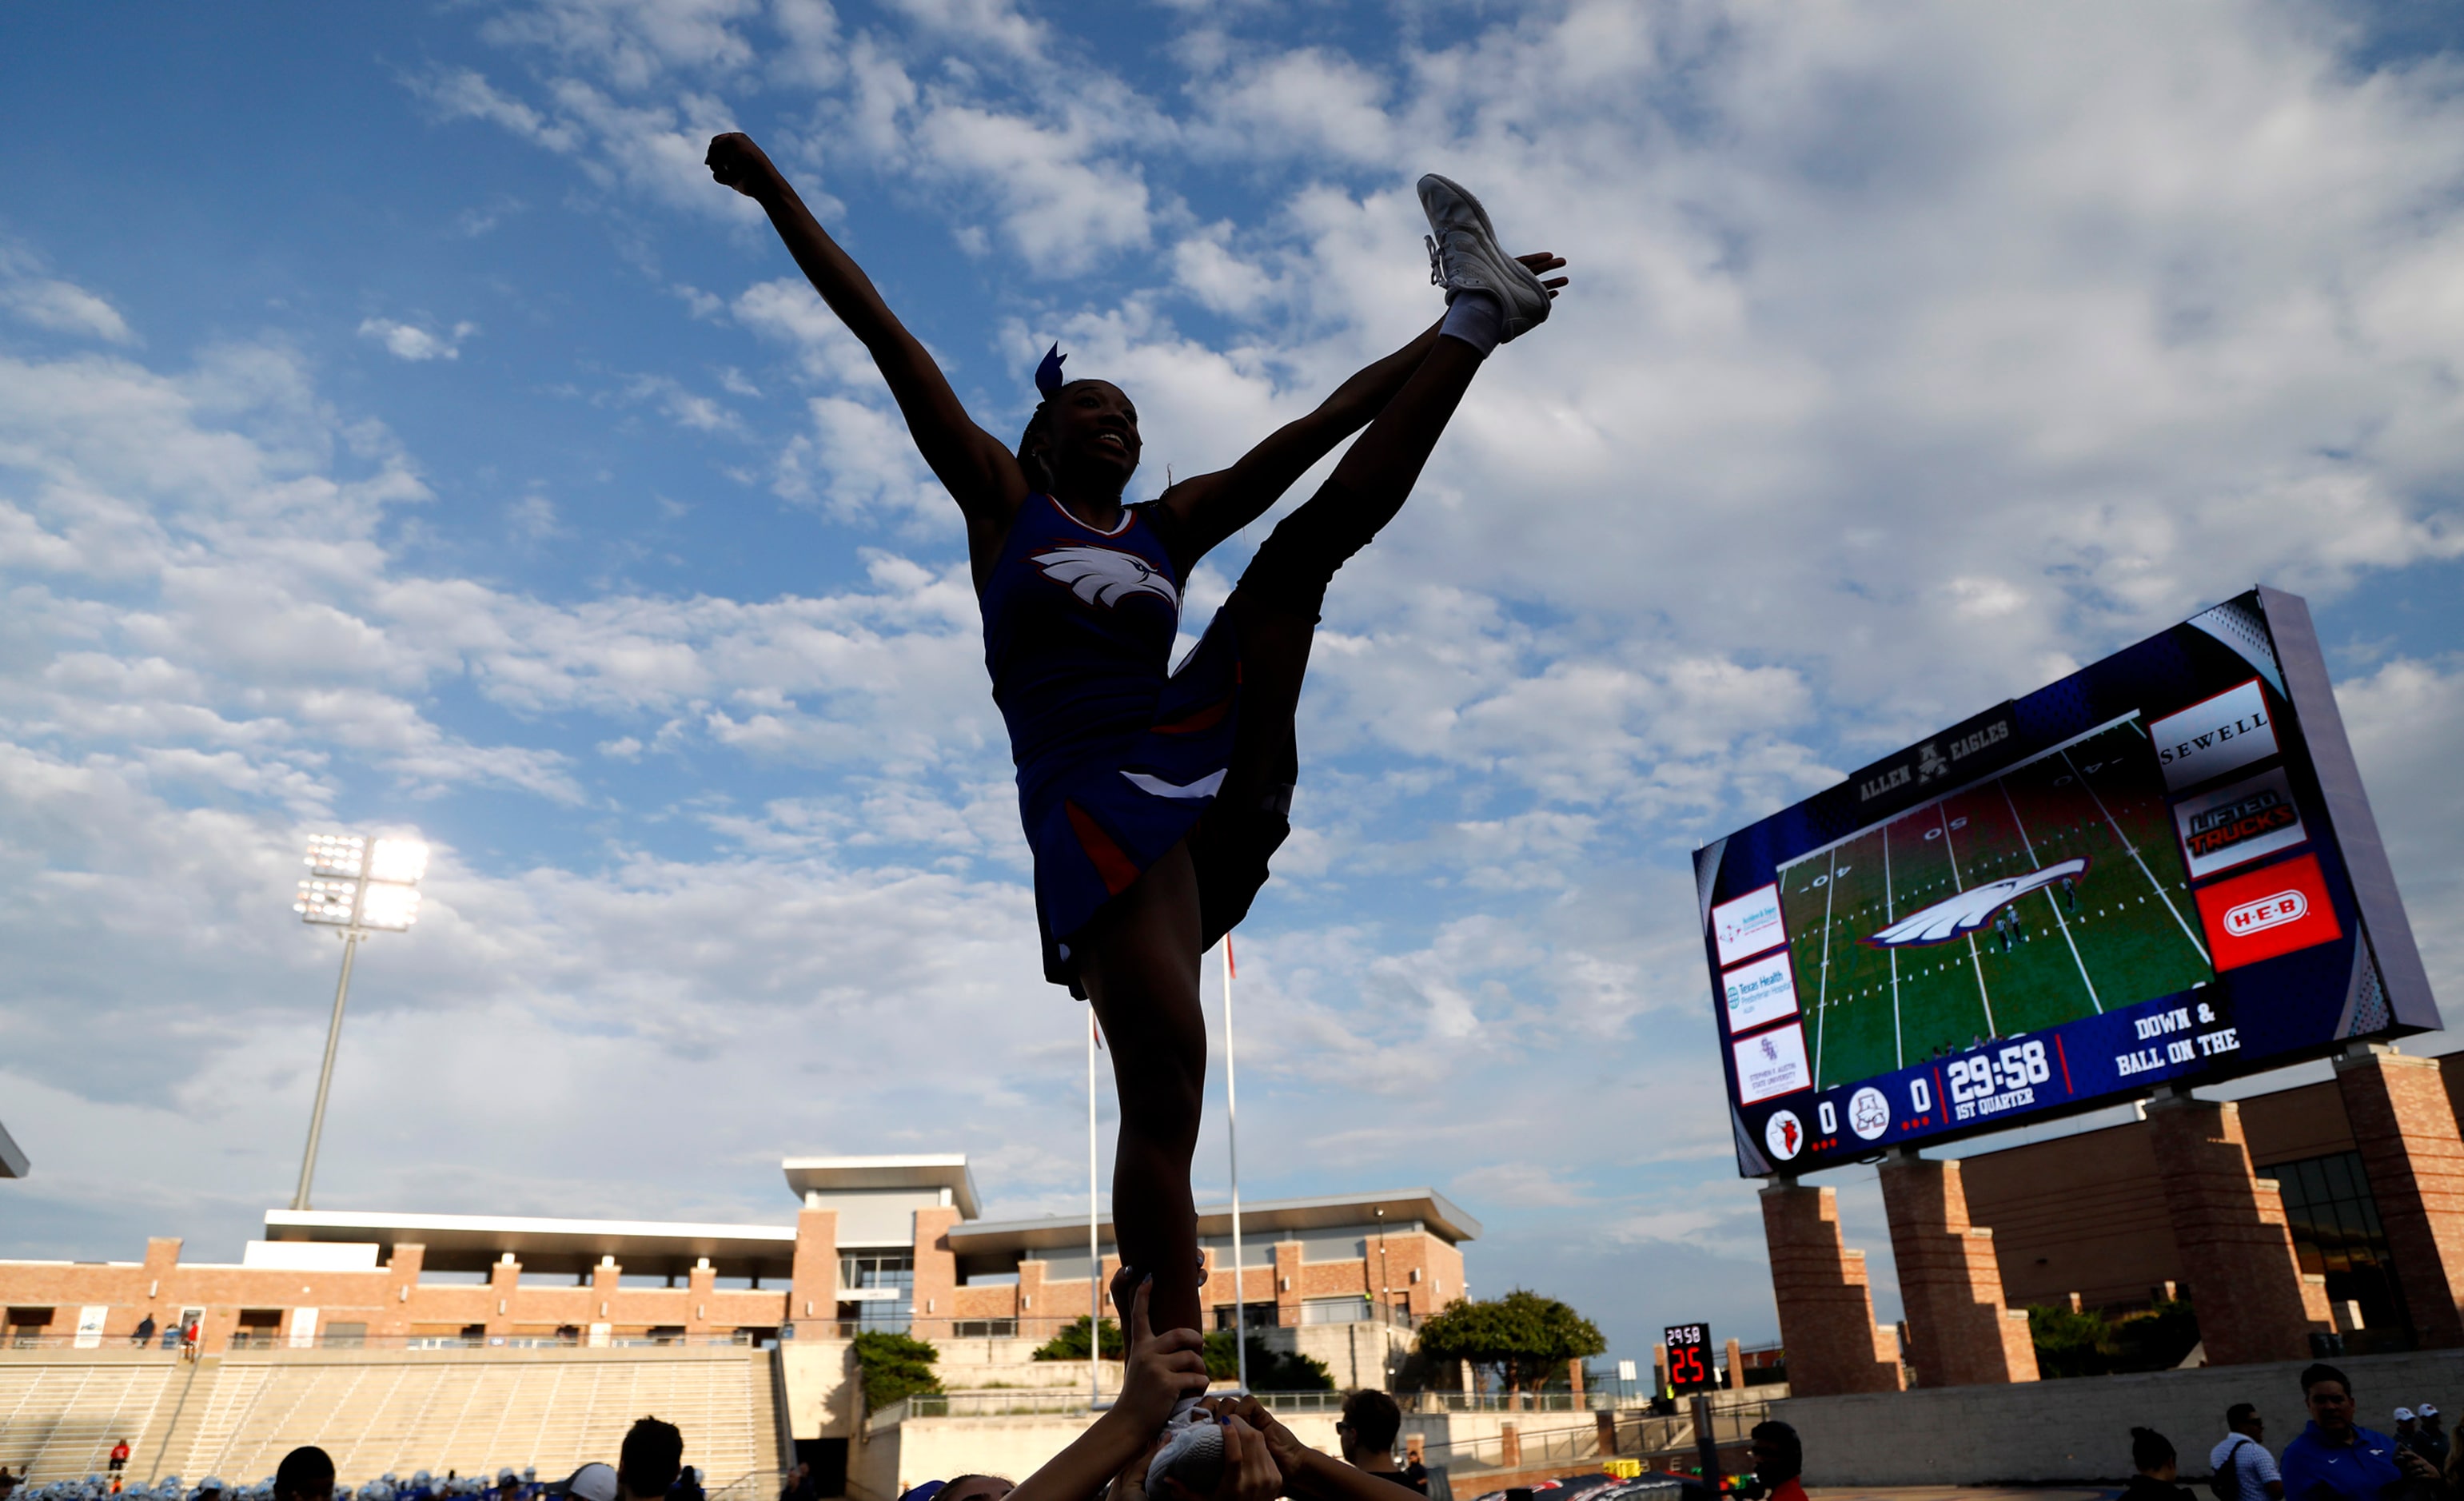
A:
(1971, 909)
(1105, 575)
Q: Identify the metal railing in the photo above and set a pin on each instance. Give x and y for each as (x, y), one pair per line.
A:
(253, 1342)
(1527, 1402)
(1636, 1436)
(761, 1485)
(1055, 1401)
(1039, 1328)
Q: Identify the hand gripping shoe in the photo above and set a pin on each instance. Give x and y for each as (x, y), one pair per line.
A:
(1192, 1454)
(1463, 257)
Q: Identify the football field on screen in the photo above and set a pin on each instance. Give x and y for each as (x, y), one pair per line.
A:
(2123, 930)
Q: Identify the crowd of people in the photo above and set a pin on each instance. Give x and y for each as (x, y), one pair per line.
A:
(649, 1466)
(2335, 1457)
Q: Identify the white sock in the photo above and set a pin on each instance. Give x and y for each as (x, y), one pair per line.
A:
(1477, 316)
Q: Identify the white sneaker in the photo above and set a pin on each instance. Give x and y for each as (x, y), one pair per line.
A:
(1192, 1455)
(1463, 257)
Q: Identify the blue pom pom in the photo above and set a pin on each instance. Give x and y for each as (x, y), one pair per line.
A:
(1047, 375)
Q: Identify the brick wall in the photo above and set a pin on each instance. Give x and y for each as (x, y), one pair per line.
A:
(2079, 1429)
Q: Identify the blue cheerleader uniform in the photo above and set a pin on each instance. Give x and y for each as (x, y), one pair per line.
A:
(1119, 759)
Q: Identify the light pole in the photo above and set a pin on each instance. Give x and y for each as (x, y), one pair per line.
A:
(1232, 1138)
(360, 888)
(1095, 1247)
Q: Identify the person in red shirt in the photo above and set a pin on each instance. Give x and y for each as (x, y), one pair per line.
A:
(119, 1456)
(1779, 1458)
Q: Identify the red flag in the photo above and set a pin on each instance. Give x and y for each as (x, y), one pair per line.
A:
(1097, 1029)
(1229, 967)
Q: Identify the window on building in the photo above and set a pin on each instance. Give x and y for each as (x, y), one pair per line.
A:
(25, 1325)
(258, 1328)
(888, 1277)
(2336, 1231)
(1336, 1311)
(1256, 1315)
(347, 1336)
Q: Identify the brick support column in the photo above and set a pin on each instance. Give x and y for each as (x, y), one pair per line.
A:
(700, 1285)
(1736, 1366)
(1288, 1283)
(936, 1273)
(401, 1289)
(504, 1285)
(607, 1281)
(813, 1278)
(2406, 1128)
(2229, 1227)
(1826, 1310)
(1960, 1333)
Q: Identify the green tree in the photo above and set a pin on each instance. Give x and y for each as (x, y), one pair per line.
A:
(1269, 1371)
(894, 1366)
(1525, 1337)
(1073, 1342)
(2094, 1342)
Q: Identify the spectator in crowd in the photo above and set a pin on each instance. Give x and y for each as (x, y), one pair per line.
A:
(592, 1482)
(2151, 1455)
(688, 1486)
(2405, 1430)
(2335, 1457)
(798, 1483)
(144, 1331)
(977, 1487)
(509, 1486)
(190, 1335)
(1416, 1467)
(647, 1465)
(118, 1457)
(2252, 1475)
(1367, 1431)
(2430, 1439)
(305, 1474)
(7, 1483)
(1779, 1461)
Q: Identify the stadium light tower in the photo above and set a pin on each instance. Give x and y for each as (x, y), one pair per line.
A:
(360, 887)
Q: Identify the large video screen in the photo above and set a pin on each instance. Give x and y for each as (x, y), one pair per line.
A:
(2158, 870)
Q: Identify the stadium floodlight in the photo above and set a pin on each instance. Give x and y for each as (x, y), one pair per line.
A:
(360, 887)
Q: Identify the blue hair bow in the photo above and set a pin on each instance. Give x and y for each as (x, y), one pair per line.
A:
(1047, 375)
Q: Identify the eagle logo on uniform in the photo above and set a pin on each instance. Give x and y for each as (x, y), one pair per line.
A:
(1105, 575)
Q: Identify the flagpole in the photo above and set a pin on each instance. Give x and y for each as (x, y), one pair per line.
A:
(1094, 1252)
(1232, 1136)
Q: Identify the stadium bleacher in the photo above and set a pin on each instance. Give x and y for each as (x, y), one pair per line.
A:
(379, 1411)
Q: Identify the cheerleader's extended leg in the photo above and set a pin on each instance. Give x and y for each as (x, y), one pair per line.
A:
(1139, 960)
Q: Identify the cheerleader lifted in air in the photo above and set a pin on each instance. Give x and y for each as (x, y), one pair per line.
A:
(1153, 797)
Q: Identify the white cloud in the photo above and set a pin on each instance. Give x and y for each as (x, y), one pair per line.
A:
(1913, 355)
(66, 307)
(412, 342)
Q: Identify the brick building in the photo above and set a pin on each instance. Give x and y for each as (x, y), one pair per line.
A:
(879, 1242)
(2332, 1209)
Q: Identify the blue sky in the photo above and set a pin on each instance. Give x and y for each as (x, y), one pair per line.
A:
(399, 432)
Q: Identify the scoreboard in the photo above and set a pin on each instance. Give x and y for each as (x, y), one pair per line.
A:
(1690, 1359)
(2160, 869)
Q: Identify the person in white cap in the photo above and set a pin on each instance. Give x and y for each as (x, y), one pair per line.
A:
(592, 1482)
(2432, 1443)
